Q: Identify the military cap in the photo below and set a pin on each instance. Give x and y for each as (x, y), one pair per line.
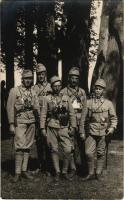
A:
(55, 79)
(74, 71)
(100, 82)
(27, 73)
(40, 68)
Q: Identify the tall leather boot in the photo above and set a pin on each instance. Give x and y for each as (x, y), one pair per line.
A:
(18, 165)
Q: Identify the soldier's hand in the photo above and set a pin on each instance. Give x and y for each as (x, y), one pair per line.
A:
(83, 136)
(43, 132)
(109, 131)
(12, 129)
(71, 131)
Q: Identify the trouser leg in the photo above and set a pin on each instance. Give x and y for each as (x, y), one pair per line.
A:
(66, 147)
(100, 155)
(25, 174)
(55, 159)
(18, 162)
(52, 142)
(25, 160)
(90, 148)
(72, 162)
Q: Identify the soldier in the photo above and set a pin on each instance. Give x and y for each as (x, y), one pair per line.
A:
(42, 88)
(78, 99)
(57, 114)
(101, 121)
(22, 106)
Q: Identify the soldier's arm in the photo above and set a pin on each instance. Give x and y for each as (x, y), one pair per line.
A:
(36, 107)
(83, 114)
(85, 124)
(112, 116)
(43, 113)
(11, 106)
(72, 117)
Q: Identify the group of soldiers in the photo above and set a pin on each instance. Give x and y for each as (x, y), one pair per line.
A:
(60, 118)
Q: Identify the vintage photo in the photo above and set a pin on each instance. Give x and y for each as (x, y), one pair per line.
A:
(61, 75)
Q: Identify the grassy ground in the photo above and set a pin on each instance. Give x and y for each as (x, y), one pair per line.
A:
(110, 187)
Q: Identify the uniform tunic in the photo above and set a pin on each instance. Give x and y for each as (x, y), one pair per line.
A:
(100, 116)
(22, 106)
(42, 90)
(78, 100)
(57, 133)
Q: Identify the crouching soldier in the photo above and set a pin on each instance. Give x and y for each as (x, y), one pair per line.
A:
(101, 121)
(22, 106)
(57, 115)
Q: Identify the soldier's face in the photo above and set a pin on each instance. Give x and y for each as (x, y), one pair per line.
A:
(74, 81)
(56, 87)
(28, 82)
(41, 77)
(99, 91)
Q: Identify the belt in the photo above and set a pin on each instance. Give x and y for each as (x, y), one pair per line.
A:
(78, 110)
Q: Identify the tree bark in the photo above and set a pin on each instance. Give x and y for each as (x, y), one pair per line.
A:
(9, 29)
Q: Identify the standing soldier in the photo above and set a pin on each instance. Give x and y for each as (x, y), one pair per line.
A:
(78, 99)
(57, 114)
(22, 106)
(101, 121)
(42, 88)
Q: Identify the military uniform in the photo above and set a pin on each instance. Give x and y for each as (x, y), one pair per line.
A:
(101, 116)
(57, 115)
(22, 106)
(42, 90)
(78, 100)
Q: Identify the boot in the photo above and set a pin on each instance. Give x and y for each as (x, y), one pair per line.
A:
(91, 166)
(99, 167)
(66, 177)
(26, 175)
(16, 178)
(98, 177)
(88, 177)
(72, 173)
(57, 177)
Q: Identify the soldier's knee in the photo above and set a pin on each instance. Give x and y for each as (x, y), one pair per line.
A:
(67, 150)
(54, 150)
(89, 154)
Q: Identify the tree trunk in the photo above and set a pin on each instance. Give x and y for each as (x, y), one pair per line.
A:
(29, 37)
(110, 58)
(9, 30)
(95, 18)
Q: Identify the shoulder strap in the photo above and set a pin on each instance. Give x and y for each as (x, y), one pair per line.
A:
(42, 89)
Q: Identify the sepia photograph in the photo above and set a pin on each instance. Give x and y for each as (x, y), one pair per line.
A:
(61, 76)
